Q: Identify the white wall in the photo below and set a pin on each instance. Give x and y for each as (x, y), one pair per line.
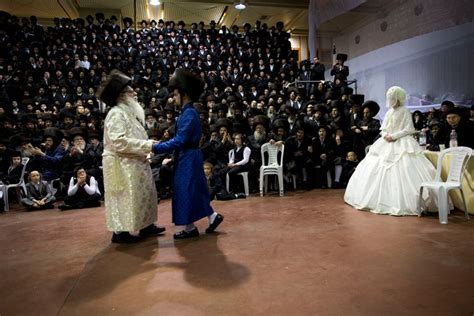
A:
(439, 64)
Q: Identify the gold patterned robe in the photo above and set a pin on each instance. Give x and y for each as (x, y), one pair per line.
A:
(130, 194)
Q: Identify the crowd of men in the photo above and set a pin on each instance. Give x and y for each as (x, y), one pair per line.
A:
(49, 110)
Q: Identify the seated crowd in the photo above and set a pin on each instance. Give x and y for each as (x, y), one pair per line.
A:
(49, 111)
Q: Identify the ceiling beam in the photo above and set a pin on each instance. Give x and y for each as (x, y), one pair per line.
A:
(298, 4)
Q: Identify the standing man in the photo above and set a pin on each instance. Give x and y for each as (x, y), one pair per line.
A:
(130, 194)
(191, 200)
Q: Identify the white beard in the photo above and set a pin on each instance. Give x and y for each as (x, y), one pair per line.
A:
(259, 136)
(136, 109)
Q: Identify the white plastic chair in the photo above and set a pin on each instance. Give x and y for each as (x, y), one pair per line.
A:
(272, 166)
(2, 194)
(459, 159)
(245, 177)
(51, 185)
(20, 185)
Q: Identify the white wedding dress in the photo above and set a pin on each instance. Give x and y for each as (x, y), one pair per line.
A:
(388, 179)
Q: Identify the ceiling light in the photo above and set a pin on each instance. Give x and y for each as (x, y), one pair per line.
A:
(155, 2)
(240, 5)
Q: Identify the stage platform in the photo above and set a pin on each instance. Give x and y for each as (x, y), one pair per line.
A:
(306, 253)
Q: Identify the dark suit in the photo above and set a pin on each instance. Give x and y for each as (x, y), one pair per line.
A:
(41, 191)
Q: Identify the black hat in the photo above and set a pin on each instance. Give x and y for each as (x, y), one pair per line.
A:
(321, 108)
(238, 127)
(186, 82)
(8, 118)
(113, 86)
(127, 20)
(220, 107)
(169, 108)
(223, 122)
(99, 16)
(154, 132)
(49, 117)
(300, 125)
(66, 113)
(29, 118)
(90, 18)
(75, 131)
(94, 135)
(150, 112)
(347, 90)
(433, 123)
(114, 18)
(332, 95)
(342, 57)
(336, 104)
(454, 110)
(254, 112)
(373, 107)
(357, 98)
(17, 140)
(80, 21)
(54, 133)
(261, 120)
(281, 123)
(448, 103)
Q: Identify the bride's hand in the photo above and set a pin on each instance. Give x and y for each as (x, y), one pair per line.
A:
(388, 138)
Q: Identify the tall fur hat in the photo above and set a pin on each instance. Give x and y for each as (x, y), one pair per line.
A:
(113, 86)
(186, 82)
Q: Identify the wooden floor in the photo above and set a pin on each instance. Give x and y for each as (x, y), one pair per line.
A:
(303, 254)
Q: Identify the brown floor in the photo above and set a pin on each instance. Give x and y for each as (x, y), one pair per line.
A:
(303, 254)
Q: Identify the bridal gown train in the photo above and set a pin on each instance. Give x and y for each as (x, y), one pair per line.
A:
(388, 179)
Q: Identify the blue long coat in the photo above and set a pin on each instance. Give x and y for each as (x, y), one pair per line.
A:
(191, 200)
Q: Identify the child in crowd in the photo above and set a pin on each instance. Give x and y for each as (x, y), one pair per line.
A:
(38, 193)
(348, 167)
(214, 184)
(83, 191)
(14, 171)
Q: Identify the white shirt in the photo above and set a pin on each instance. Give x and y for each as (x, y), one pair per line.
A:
(90, 188)
(246, 158)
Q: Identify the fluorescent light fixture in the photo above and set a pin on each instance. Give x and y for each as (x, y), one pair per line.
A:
(155, 2)
(240, 5)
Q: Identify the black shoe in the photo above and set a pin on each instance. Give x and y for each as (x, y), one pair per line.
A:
(241, 195)
(125, 238)
(65, 207)
(151, 230)
(185, 234)
(212, 227)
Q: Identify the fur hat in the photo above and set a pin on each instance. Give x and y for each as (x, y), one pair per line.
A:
(261, 120)
(186, 82)
(76, 131)
(357, 98)
(113, 86)
(54, 133)
(373, 107)
(223, 123)
(281, 123)
(342, 57)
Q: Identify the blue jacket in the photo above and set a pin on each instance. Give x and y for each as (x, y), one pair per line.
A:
(191, 200)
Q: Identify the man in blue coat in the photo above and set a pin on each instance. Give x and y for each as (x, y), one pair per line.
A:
(191, 200)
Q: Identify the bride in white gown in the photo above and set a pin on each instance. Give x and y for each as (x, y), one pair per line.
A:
(387, 180)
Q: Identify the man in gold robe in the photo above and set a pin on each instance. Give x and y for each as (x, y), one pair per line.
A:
(130, 194)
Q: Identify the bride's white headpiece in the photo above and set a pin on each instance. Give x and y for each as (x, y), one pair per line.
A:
(395, 94)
